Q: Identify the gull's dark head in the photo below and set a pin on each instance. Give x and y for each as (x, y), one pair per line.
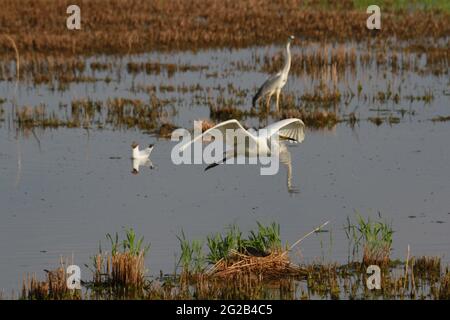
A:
(134, 145)
(151, 145)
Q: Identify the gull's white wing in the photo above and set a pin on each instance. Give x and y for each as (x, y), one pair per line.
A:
(291, 129)
(222, 128)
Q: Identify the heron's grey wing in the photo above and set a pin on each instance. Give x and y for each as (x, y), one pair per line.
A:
(221, 130)
(290, 129)
(268, 86)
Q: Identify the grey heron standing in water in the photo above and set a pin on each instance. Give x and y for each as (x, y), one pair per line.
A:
(275, 83)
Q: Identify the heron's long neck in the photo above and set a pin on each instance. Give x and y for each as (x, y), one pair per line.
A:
(287, 63)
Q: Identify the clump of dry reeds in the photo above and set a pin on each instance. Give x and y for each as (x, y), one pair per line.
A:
(121, 273)
(54, 287)
(427, 267)
(275, 265)
(444, 289)
(123, 269)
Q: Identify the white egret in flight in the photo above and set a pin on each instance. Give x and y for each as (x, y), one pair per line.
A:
(264, 142)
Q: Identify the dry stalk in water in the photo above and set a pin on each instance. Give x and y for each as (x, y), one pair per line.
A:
(13, 43)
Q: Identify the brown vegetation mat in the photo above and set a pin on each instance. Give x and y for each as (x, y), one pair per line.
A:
(276, 265)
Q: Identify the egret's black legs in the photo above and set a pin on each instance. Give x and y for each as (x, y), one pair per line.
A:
(215, 164)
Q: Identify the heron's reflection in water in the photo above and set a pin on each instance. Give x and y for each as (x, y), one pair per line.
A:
(137, 163)
(285, 158)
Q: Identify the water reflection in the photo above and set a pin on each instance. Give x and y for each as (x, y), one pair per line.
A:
(137, 163)
(285, 159)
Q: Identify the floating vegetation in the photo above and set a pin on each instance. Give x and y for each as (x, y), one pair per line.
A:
(2, 111)
(118, 113)
(157, 68)
(441, 119)
(426, 97)
(100, 66)
(226, 113)
(28, 117)
(166, 129)
(314, 119)
(379, 120)
(326, 98)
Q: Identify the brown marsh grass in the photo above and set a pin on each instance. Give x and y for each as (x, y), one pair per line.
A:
(272, 266)
(54, 287)
(123, 27)
(120, 274)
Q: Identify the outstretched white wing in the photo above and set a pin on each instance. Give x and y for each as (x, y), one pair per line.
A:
(231, 125)
(290, 129)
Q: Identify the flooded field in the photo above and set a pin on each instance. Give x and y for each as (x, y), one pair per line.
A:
(66, 172)
(373, 169)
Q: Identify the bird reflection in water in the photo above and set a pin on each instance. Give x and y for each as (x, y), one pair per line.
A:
(285, 159)
(137, 163)
(140, 157)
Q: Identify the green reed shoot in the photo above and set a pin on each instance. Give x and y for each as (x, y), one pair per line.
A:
(374, 236)
(266, 239)
(220, 245)
(130, 244)
(192, 258)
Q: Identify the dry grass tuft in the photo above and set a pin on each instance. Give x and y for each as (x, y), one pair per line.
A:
(275, 265)
(128, 270)
(54, 287)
